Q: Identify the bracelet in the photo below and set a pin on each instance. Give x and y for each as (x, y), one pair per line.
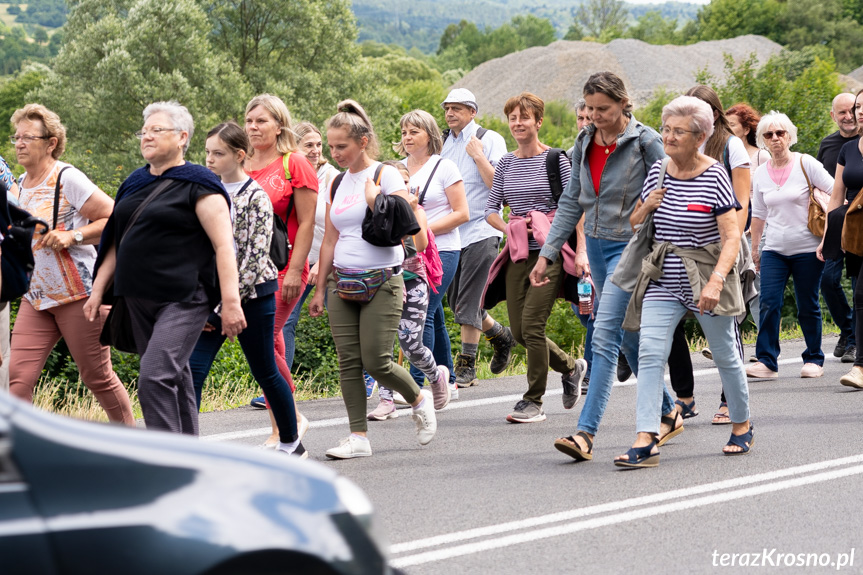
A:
(720, 276)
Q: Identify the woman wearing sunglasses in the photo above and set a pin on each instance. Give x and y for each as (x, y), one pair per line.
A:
(780, 200)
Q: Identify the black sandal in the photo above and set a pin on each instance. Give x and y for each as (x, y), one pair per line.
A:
(673, 432)
(638, 457)
(687, 410)
(570, 447)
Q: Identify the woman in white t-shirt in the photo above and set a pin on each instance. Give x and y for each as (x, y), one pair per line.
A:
(438, 184)
(363, 332)
(780, 200)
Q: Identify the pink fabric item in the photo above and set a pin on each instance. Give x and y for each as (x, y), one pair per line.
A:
(431, 258)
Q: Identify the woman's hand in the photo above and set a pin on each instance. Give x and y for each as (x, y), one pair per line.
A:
(233, 320)
(582, 264)
(819, 251)
(372, 190)
(56, 240)
(292, 285)
(316, 308)
(537, 275)
(313, 275)
(654, 200)
(710, 294)
(209, 327)
(94, 302)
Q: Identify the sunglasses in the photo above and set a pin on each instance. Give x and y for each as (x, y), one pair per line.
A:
(778, 133)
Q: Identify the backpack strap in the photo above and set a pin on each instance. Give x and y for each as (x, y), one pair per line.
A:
(57, 197)
(286, 165)
(552, 170)
(428, 182)
(480, 132)
(725, 160)
(338, 180)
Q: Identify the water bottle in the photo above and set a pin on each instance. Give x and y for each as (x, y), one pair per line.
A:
(585, 302)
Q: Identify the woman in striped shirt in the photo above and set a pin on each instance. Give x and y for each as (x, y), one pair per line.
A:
(521, 180)
(695, 211)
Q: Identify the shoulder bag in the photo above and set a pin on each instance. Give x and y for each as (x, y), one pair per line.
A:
(817, 206)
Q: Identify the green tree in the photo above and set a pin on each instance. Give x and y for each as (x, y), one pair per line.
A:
(533, 30)
(574, 32)
(653, 28)
(602, 17)
(730, 18)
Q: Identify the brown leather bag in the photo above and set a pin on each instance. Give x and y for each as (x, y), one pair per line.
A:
(817, 206)
(852, 227)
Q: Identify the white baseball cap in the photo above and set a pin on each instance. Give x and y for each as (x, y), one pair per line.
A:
(461, 96)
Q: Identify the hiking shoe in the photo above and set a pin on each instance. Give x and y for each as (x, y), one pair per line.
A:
(385, 410)
(371, 385)
(350, 447)
(440, 388)
(841, 345)
(761, 371)
(453, 391)
(259, 402)
(811, 370)
(465, 370)
(850, 355)
(526, 412)
(572, 384)
(426, 422)
(502, 344)
(624, 372)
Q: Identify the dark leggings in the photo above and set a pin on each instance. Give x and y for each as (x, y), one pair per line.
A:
(680, 364)
(858, 308)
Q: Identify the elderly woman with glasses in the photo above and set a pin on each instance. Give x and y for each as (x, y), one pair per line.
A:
(780, 201)
(692, 270)
(169, 235)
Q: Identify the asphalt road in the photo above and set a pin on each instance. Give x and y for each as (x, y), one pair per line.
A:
(487, 496)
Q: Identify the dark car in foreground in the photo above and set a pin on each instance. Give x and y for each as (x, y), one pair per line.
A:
(81, 497)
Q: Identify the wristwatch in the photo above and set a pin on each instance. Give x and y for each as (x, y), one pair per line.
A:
(79, 237)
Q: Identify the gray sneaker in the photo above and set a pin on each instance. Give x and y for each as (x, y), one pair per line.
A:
(850, 355)
(465, 370)
(572, 384)
(526, 412)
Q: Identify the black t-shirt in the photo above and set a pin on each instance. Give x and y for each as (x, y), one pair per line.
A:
(852, 173)
(167, 253)
(828, 151)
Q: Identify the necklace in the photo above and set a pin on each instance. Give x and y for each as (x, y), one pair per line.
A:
(779, 175)
(605, 144)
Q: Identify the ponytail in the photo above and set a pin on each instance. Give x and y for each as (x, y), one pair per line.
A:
(354, 119)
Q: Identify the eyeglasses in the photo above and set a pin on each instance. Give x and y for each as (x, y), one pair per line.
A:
(678, 132)
(777, 133)
(155, 132)
(27, 139)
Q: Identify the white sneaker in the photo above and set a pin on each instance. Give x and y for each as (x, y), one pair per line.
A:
(426, 422)
(453, 391)
(350, 447)
(811, 370)
(302, 426)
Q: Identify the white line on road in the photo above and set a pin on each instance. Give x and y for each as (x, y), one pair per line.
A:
(526, 537)
(265, 431)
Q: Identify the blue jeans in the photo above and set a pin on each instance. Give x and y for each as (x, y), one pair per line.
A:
(608, 335)
(834, 296)
(290, 330)
(587, 322)
(435, 336)
(806, 270)
(257, 343)
(659, 320)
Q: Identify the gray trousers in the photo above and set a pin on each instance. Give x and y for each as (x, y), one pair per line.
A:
(167, 333)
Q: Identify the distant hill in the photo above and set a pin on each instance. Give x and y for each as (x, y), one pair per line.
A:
(420, 23)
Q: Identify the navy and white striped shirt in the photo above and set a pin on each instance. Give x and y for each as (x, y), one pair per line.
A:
(687, 219)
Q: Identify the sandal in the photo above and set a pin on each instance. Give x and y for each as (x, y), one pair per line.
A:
(570, 447)
(720, 417)
(639, 457)
(673, 432)
(687, 410)
(744, 441)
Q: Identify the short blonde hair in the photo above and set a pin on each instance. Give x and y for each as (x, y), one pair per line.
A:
(425, 122)
(286, 141)
(54, 128)
(700, 113)
(780, 121)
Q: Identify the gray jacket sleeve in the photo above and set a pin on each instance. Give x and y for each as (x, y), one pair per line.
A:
(568, 209)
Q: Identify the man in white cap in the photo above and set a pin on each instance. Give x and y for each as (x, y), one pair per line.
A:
(476, 151)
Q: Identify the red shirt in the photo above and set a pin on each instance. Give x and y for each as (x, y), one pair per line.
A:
(597, 155)
(272, 179)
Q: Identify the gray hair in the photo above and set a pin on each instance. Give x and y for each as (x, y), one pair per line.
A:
(699, 112)
(778, 120)
(180, 117)
(580, 105)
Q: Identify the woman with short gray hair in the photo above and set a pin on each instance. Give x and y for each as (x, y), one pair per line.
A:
(694, 254)
(173, 218)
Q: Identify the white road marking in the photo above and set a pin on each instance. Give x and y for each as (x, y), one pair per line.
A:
(335, 421)
(616, 518)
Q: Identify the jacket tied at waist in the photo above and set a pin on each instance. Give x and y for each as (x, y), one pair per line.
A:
(699, 264)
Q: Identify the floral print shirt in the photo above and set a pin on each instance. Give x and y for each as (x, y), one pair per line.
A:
(253, 231)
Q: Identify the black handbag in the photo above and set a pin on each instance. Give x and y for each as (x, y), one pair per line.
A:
(117, 331)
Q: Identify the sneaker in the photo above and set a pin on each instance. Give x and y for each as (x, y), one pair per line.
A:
(426, 422)
(850, 355)
(350, 447)
(853, 378)
(707, 353)
(624, 372)
(385, 410)
(811, 370)
(300, 452)
(502, 344)
(839, 350)
(401, 402)
(440, 388)
(465, 370)
(572, 384)
(453, 391)
(302, 426)
(585, 383)
(259, 402)
(761, 371)
(371, 385)
(526, 412)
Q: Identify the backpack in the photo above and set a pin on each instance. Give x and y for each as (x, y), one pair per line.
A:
(280, 245)
(552, 170)
(480, 132)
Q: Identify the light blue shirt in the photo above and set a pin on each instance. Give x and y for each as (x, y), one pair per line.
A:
(493, 147)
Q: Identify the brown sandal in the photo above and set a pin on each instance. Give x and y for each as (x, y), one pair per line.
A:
(674, 431)
(570, 447)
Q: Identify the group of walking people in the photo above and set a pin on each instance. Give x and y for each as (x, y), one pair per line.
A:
(665, 225)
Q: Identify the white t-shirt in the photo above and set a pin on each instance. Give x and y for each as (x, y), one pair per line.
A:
(436, 203)
(326, 174)
(347, 212)
(786, 209)
(738, 157)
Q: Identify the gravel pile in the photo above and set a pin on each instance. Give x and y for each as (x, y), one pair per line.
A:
(558, 71)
